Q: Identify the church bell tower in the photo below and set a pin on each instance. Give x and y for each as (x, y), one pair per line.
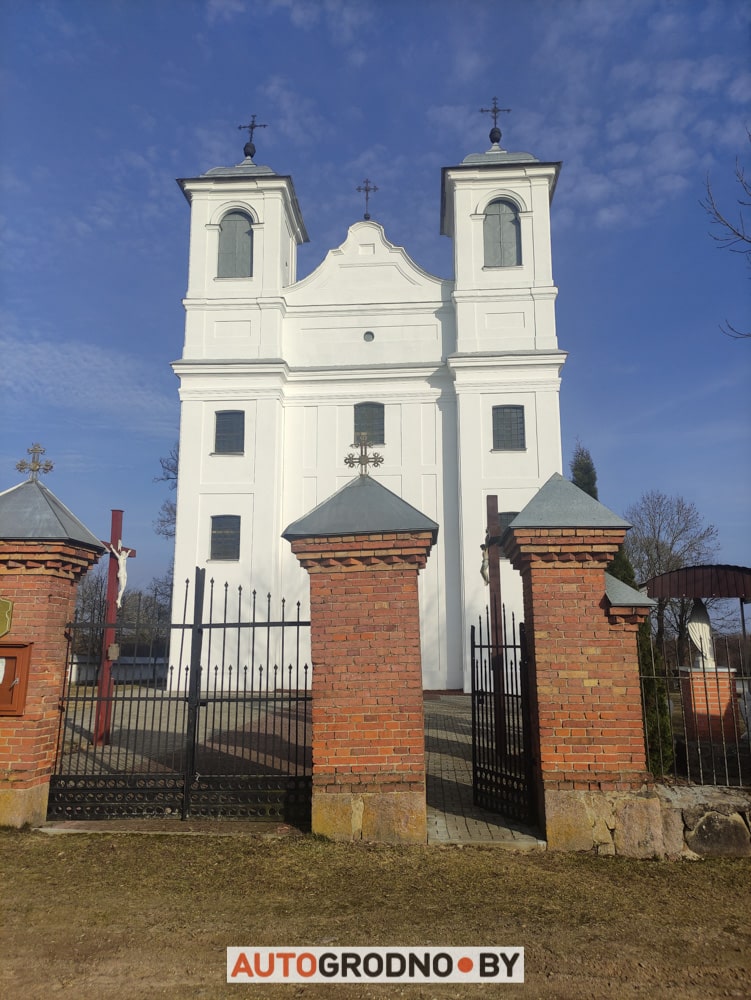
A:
(506, 366)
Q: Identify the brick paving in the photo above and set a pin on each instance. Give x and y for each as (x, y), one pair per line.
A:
(452, 816)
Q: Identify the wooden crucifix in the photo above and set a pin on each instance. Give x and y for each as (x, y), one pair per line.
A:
(116, 579)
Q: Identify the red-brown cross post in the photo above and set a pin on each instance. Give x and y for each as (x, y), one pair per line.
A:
(115, 586)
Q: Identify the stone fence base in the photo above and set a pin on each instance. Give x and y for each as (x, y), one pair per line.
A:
(660, 821)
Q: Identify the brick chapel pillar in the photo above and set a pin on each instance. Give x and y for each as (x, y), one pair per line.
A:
(368, 724)
(38, 580)
(44, 551)
(588, 729)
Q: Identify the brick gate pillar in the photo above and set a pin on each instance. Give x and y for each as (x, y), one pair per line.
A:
(584, 675)
(368, 725)
(38, 578)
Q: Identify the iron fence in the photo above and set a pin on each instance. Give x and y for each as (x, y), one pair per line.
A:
(208, 735)
(697, 717)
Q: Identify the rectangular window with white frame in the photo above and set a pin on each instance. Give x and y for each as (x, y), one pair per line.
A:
(225, 537)
(508, 428)
(229, 432)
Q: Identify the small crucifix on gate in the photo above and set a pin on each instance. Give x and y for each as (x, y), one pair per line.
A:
(495, 132)
(363, 459)
(367, 189)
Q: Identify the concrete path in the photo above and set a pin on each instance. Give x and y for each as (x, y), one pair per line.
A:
(452, 817)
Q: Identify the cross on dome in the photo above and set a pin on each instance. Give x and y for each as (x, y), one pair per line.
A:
(495, 133)
(34, 467)
(249, 148)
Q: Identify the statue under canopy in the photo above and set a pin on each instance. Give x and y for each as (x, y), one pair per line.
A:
(700, 634)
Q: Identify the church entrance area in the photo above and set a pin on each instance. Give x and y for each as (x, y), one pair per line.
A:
(502, 776)
(453, 816)
(202, 718)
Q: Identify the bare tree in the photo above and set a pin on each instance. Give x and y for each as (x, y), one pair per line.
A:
(165, 522)
(668, 533)
(734, 234)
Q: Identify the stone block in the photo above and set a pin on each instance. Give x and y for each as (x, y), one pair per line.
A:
(378, 817)
(719, 835)
(395, 818)
(638, 826)
(569, 823)
(22, 806)
(672, 831)
(337, 816)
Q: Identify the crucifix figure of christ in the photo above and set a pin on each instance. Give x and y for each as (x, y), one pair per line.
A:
(121, 555)
(363, 459)
(495, 132)
(116, 579)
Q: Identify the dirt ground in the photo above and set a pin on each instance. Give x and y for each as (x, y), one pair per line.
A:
(93, 916)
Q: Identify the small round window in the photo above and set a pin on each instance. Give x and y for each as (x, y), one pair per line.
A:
(368, 336)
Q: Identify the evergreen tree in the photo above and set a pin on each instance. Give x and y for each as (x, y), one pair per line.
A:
(583, 472)
(584, 475)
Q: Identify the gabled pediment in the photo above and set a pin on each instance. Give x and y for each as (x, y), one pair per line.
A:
(367, 268)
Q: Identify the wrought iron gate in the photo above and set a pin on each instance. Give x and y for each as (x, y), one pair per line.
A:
(223, 732)
(502, 769)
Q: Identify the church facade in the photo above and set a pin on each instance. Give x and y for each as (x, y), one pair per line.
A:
(454, 382)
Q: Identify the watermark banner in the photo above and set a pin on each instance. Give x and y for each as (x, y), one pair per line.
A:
(375, 965)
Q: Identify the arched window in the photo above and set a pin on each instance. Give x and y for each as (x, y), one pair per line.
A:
(235, 246)
(369, 420)
(502, 235)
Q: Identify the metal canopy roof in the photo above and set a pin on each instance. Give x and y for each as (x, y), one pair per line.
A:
(718, 580)
(361, 507)
(30, 511)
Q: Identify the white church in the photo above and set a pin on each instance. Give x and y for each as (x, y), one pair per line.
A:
(455, 381)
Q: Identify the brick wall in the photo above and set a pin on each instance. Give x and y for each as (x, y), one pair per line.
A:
(588, 717)
(40, 579)
(368, 728)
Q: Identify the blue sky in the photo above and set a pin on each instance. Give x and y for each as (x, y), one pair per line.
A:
(108, 101)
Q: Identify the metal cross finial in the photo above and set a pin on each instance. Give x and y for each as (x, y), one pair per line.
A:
(250, 149)
(495, 132)
(363, 459)
(366, 187)
(35, 466)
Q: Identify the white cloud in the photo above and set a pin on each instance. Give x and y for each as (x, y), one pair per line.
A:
(73, 375)
(295, 115)
(223, 10)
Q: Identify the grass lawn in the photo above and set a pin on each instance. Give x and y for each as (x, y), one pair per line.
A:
(130, 915)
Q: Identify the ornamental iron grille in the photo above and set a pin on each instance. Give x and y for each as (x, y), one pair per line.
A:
(208, 717)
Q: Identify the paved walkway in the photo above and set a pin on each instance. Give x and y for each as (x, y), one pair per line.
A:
(452, 816)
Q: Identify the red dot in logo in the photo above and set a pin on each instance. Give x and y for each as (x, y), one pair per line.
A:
(465, 965)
